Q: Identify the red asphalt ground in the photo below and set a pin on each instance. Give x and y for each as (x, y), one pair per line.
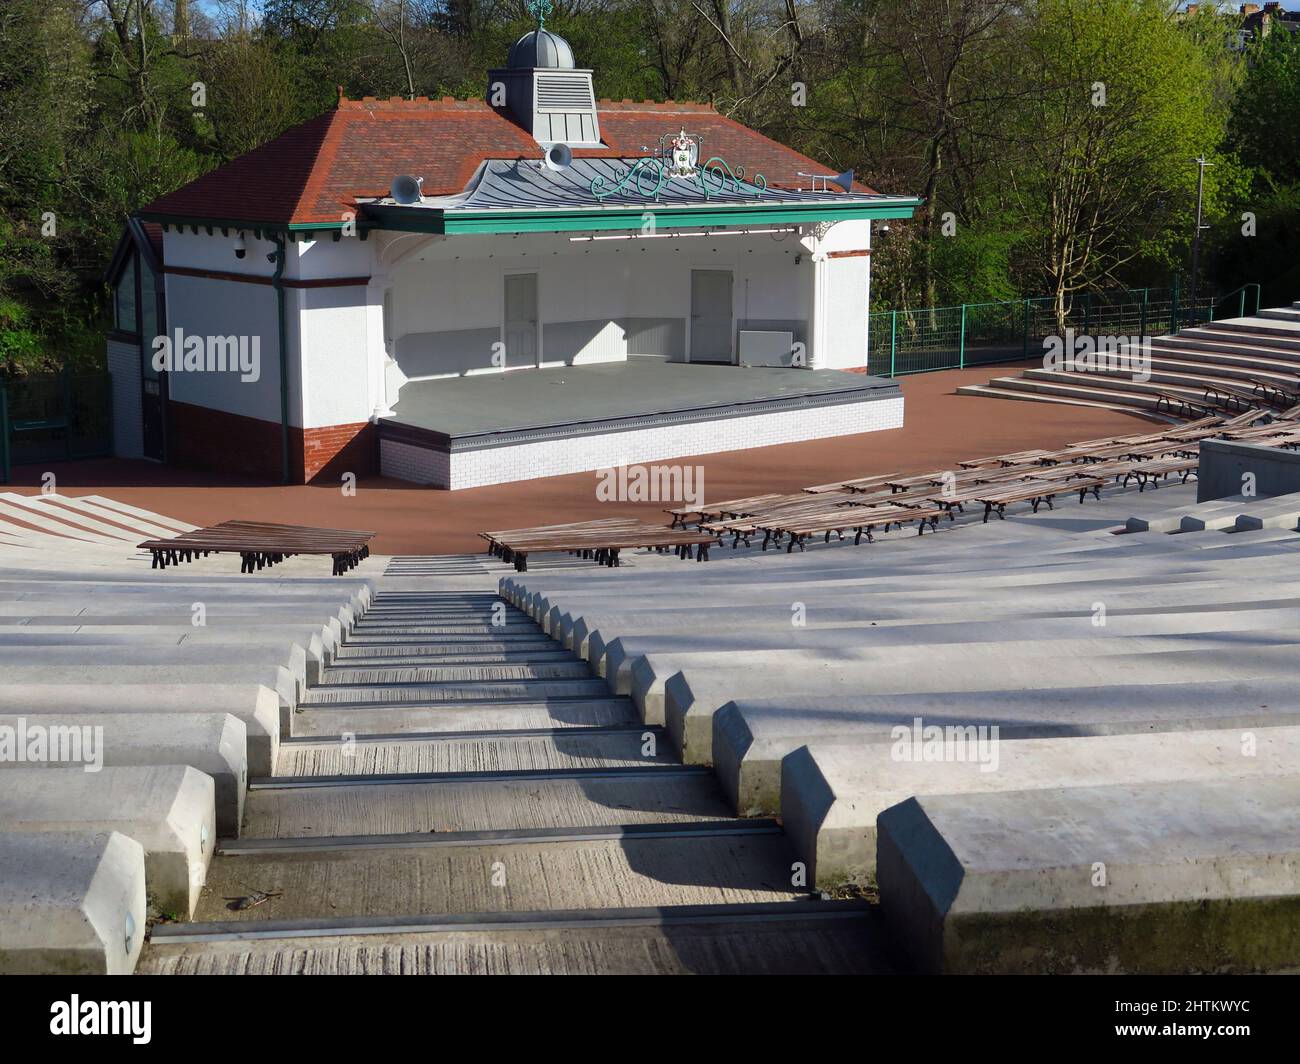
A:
(941, 428)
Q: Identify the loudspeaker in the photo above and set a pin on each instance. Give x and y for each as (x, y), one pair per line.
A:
(406, 189)
(557, 157)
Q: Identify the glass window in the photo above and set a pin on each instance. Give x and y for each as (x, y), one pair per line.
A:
(148, 316)
(124, 309)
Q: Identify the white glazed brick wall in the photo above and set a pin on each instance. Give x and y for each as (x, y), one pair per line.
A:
(128, 426)
(553, 458)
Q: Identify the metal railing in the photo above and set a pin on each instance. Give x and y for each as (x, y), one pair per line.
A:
(901, 342)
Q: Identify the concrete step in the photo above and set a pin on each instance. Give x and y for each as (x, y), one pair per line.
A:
(450, 642)
(832, 794)
(256, 706)
(415, 718)
(71, 903)
(167, 809)
(537, 653)
(1283, 328)
(631, 866)
(368, 630)
(214, 743)
(481, 751)
(751, 736)
(462, 692)
(297, 807)
(1227, 356)
(353, 675)
(991, 392)
(780, 938)
(1138, 878)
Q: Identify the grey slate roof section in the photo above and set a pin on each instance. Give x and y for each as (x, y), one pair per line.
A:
(524, 184)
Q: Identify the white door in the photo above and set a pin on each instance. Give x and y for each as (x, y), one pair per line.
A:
(521, 319)
(711, 316)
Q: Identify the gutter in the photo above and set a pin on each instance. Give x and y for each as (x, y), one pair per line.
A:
(277, 281)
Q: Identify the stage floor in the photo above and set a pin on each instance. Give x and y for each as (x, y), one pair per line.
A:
(524, 401)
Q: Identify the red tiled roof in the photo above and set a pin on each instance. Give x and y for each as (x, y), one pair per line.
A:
(315, 171)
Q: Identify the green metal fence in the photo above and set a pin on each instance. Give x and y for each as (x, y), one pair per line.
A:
(977, 334)
(54, 418)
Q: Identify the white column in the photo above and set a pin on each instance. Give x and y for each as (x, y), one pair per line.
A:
(377, 354)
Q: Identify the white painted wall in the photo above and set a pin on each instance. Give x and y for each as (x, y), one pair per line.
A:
(337, 336)
(206, 307)
(458, 284)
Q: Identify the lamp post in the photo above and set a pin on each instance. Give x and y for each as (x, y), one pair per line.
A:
(1201, 164)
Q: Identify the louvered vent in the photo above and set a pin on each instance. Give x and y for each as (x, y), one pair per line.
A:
(564, 92)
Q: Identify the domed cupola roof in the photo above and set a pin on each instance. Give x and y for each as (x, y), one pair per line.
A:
(541, 48)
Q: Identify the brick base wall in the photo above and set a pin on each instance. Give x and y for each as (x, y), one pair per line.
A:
(202, 438)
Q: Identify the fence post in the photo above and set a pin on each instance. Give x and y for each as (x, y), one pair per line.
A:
(1026, 351)
(1173, 305)
(1142, 314)
(1241, 303)
(961, 340)
(893, 339)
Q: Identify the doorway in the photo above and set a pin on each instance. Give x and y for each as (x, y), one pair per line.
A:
(711, 316)
(521, 319)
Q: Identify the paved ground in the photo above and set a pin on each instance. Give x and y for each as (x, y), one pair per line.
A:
(941, 428)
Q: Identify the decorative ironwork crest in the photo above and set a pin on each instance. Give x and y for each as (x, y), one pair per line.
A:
(678, 159)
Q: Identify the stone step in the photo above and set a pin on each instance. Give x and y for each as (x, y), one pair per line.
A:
(297, 808)
(71, 903)
(780, 938)
(639, 865)
(167, 809)
(538, 653)
(751, 736)
(992, 392)
(463, 692)
(504, 641)
(353, 675)
(415, 718)
(1139, 878)
(480, 751)
(372, 630)
(214, 743)
(831, 794)
(256, 706)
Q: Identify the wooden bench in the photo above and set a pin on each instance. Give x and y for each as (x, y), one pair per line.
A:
(601, 541)
(861, 520)
(261, 544)
(856, 484)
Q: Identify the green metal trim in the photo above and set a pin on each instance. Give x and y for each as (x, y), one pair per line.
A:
(425, 220)
(633, 218)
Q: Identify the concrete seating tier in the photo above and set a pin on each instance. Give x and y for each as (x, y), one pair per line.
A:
(134, 705)
(1082, 682)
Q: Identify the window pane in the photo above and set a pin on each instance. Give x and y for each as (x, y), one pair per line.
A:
(148, 320)
(124, 299)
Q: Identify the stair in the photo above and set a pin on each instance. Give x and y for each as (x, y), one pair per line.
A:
(461, 794)
(1220, 356)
